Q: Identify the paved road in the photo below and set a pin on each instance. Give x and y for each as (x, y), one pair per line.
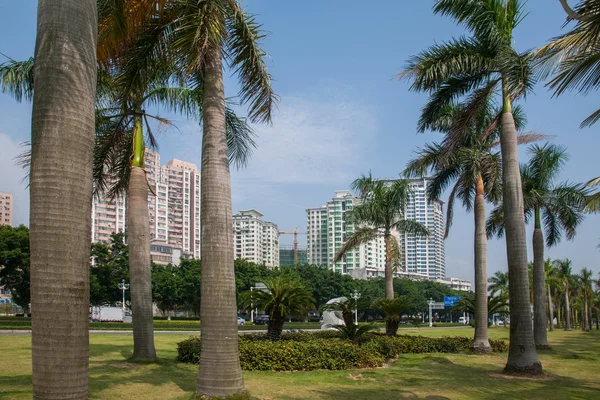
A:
(118, 332)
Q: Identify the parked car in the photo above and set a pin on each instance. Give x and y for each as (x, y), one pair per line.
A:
(241, 321)
(462, 320)
(261, 319)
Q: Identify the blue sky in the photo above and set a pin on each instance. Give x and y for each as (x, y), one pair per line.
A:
(341, 113)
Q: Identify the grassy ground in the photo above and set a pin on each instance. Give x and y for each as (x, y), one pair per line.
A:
(571, 367)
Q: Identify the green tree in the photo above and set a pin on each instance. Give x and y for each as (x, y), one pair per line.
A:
(190, 271)
(495, 304)
(565, 276)
(14, 263)
(284, 296)
(167, 285)
(475, 169)
(379, 215)
(393, 310)
(499, 283)
(471, 68)
(110, 265)
(205, 34)
(62, 149)
(552, 282)
(558, 207)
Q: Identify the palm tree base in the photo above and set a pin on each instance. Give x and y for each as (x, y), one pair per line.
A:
(481, 347)
(533, 369)
(391, 327)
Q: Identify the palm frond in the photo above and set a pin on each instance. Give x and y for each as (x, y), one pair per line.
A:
(495, 223)
(240, 139)
(247, 59)
(394, 249)
(16, 79)
(410, 227)
(360, 236)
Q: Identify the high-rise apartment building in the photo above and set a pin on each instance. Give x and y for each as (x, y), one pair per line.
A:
(173, 206)
(255, 240)
(6, 208)
(327, 231)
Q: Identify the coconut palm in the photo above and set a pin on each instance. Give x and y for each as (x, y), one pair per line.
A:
(283, 296)
(470, 68)
(61, 196)
(204, 36)
(559, 207)
(393, 310)
(565, 276)
(585, 278)
(475, 169)
(380, 213)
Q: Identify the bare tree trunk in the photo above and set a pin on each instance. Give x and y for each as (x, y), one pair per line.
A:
(567, 311)
(540, 321)
(481, 343)
(550, 309)
(62, 148)
(275, 327)
(220, 374)
(140, 273)
(522, 356)
(586, 323)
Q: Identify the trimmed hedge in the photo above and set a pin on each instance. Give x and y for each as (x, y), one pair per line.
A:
(327, 350)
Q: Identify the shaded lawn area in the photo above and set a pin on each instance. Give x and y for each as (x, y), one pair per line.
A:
(572, 367)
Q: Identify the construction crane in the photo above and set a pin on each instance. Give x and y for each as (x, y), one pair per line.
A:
(295, 233)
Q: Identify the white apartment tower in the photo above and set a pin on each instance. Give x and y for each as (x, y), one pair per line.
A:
(255, 240)
(327, 230)
(173, 206)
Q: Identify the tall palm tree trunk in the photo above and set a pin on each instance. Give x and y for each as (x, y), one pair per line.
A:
(62, 138)
(550, 309)
(220, 374)
(586, 323)
(540, 321)
(480, 343)
(567, 311)
(138, 239)
(522, 356)
(389, 272)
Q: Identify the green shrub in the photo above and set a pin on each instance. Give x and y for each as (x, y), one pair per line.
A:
(307, 351)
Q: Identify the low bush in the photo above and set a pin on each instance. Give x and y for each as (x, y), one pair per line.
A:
(327, 350)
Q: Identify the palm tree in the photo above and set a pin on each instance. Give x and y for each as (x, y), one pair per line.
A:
(393, 310)
(345, 307)
(560, 207)
(495, 305)
(476, 170)
(565, 276)
(586, 280)
(380, 213)
(205, 34)
(472, 68)
(550, 276)
(499, 284)
(61, 196)
(573, 57)
(283, 296)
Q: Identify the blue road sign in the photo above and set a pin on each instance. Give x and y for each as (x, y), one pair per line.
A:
(450, 300)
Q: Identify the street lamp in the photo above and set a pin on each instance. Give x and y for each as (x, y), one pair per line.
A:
(123, 286)
(356, 296)
(251, 306)
(430, 302)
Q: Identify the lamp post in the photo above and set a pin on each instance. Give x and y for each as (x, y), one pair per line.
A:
(123, 286)
(430, 302)
(356, 296)
(251, 306)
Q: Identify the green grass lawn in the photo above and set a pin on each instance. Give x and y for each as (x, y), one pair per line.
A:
(572, 373)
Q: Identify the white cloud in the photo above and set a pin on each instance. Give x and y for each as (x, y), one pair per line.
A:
(11, 177)
(323, 141)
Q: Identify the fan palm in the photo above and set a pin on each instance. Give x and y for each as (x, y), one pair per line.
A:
(283, 296)
(560, 207)
(471, 68)
(206, 34)
(476, 170)
(62, 138)
(393, 310)
(585, 278)
(381, 213)
(565, 276)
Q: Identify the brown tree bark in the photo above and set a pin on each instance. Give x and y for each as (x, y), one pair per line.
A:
(62, 148)
(220, 374)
